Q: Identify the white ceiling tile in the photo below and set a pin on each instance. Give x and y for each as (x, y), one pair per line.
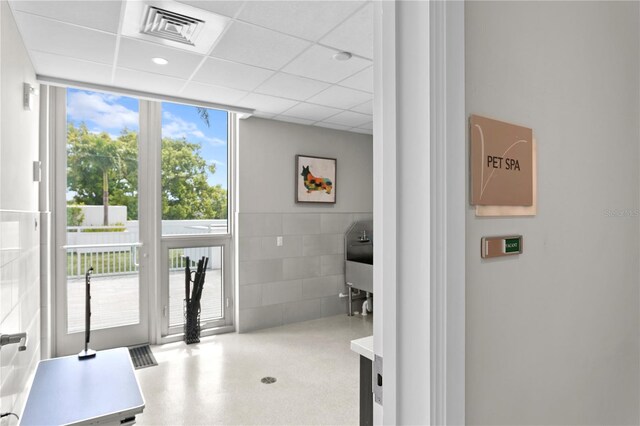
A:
(365, 108)
(257, 46)
(363, 131)
(366, 126)
(76, 40)
(311, 112)
(361, 81)
(147, 82)
(349, 118)
(214, 94)
(355, 35)
(291, 86)
(99, 15)
(340, 97)
(294, 120)
(55, 37)
(306, 19)
(137, 55)
(268, 104)
(71, 69)
(318, 63)
(332, 126)
(232, 75)
(226, 8)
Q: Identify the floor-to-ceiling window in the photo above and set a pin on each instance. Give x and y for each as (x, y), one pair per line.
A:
(107, 176)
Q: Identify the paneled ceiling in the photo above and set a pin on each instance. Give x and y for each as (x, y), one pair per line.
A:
(275, 57)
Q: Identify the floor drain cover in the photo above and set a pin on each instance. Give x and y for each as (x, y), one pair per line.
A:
(268, 380)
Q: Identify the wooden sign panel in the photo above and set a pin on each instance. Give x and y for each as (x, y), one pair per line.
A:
(501, 163)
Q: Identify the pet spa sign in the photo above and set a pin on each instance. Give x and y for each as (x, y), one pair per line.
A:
(501, 163)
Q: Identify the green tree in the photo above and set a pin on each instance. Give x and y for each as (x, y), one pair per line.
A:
(94, 161)
(125, 189)
(186, 194)
(102, 171)
(75, 216)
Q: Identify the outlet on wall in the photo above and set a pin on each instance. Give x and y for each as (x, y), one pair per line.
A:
(279, 241)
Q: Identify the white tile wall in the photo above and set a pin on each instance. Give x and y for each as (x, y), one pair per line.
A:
(19, 235)
(19, 303)
(297, 281)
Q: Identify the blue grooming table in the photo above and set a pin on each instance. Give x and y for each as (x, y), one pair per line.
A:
(100, 390)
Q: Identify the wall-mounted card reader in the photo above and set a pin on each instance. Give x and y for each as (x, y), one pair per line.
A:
(500, 246)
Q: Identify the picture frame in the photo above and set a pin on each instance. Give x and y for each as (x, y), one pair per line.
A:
(316, 179)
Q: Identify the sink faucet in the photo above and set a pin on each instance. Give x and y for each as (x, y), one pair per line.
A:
(10, 339)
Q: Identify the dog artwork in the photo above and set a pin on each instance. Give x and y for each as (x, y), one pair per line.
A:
(314, 183)
(315, 179)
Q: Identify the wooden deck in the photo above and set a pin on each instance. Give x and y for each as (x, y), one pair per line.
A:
(115, 300)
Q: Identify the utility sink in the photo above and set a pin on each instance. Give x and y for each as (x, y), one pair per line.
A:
(359, 256)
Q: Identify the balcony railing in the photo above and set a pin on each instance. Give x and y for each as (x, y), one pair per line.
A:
(114, 254)
(106, 259)
(119, 259)
(113, 250)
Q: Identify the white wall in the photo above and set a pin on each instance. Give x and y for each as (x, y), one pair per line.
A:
(19, 236)
(301, 279)
(552, 335)
(19, 134)
(268, 150)
(94, 215)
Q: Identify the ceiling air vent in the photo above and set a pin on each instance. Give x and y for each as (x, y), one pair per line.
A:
(171, 26)
(171, 23)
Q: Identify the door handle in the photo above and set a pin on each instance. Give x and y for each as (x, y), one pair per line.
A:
(11, 339)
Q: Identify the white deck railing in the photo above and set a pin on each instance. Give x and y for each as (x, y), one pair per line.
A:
(106, 259)
(114, 250)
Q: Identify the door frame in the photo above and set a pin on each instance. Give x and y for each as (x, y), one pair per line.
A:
(137, 333)
(424, 382)
(225, 324)
(158, 294)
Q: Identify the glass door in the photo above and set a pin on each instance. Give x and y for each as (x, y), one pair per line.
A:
(98, 222)
(195, 188)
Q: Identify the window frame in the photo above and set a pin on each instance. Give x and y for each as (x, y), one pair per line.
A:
(150, 208)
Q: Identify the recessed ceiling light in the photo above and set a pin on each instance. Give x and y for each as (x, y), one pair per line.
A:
(342, 56)
(160, 61)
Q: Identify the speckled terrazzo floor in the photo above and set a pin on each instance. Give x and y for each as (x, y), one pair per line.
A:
(218, 380)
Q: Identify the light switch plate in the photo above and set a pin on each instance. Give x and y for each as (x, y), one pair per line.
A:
(279, 241)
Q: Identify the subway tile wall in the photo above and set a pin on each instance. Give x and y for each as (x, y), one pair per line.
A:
(297, 281)
(19, 303)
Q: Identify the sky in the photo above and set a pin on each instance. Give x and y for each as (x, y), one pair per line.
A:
(103, 112)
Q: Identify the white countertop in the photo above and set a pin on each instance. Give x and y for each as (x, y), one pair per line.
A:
(363, 346)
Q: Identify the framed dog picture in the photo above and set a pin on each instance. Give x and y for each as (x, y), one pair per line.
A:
(315, 179)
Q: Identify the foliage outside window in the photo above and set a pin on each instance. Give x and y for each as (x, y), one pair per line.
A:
(103, 170)
(75, 216)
